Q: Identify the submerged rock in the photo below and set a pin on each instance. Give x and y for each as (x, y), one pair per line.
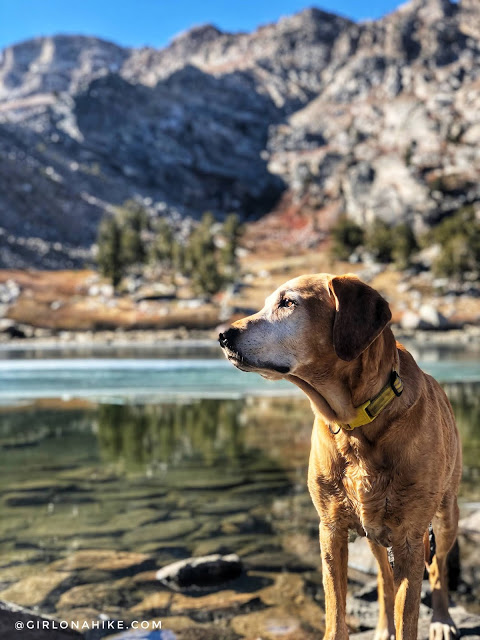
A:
(105, 560)
(14, 620)
(207, 571)
(35, 591)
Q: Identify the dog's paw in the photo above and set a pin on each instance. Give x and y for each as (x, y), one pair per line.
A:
(443, 630)
(384, 634)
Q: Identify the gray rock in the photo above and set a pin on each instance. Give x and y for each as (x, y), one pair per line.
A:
(432, 317)
(360, 557)
(11, 329)
(14, 621)
(468, 625)
(470, 524)
(277, 561)
(411, 321)
(206, 571)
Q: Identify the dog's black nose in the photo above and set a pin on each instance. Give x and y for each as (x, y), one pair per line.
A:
(227, 339)
(222, 340)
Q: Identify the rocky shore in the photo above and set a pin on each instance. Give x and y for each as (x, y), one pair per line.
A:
(91, 546)
(144, 339)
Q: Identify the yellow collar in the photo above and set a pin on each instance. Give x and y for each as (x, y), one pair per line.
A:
(368, 411)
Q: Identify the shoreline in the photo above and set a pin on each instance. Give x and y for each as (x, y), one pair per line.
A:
(181, 338)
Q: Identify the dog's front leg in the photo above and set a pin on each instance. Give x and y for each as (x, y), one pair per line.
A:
(407, 575)
(334, 548)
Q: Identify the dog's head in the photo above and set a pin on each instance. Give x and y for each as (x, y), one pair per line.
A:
(311, 319)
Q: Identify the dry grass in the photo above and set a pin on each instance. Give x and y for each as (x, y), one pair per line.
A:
(50, 283)
(59, 300)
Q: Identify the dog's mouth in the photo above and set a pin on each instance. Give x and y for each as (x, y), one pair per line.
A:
(265, 369)
(237, 359)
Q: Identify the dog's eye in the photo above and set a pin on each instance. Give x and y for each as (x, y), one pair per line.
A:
(286, 303)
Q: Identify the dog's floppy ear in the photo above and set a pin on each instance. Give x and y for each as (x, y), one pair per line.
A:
(361, 316)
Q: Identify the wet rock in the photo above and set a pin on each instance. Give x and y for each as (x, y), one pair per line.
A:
(277, 561)
(266, 544)
(82, 615)
(213, 605)
(207, 530)
(17, 572)
(34, 591)
(204, 480)
(206, 632)
(224, 544)
(89, 474)
(31, 499)
(154, 604)
(137, 518)
(225, 506)
(15, 557)
(146, 578)
(167, 530)
(206, 571)
(243, 523)
(164, 551)
(176, 623)
(41, 486)
(273, 623)
(115, 562)
(10, 614)
(273, 487)
(287, 587)
(112, 596)
(130, 495)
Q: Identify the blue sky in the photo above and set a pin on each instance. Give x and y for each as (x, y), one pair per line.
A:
(155, 22)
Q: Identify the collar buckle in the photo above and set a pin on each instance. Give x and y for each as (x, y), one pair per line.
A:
(394, 387)
(396, 383)
(363, 417)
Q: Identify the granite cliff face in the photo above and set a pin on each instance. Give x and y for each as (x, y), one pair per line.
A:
(379, 119)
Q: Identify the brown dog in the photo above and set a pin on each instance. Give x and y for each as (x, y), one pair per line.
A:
(385, 458)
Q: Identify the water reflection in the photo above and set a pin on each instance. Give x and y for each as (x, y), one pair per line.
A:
(202, 432)
(465, 400)
(168, 480)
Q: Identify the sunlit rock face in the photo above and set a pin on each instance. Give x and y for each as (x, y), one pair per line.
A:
(378, 120)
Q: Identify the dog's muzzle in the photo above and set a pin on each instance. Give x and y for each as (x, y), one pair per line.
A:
(227, 341)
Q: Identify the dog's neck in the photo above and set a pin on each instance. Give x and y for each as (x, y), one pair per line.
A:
(334, 395)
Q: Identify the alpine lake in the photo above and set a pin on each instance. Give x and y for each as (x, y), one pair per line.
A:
(116, 462)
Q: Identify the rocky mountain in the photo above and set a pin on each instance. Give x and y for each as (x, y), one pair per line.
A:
(314, 113)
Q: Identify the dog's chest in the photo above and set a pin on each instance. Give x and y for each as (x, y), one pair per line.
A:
(366, 498)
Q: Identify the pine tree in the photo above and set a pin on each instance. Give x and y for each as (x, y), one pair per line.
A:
(162, 249)
(201, 258)
(231, 231)
(109, 256)
(134, 221)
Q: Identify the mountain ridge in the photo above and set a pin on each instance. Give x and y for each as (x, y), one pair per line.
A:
(374, 119)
